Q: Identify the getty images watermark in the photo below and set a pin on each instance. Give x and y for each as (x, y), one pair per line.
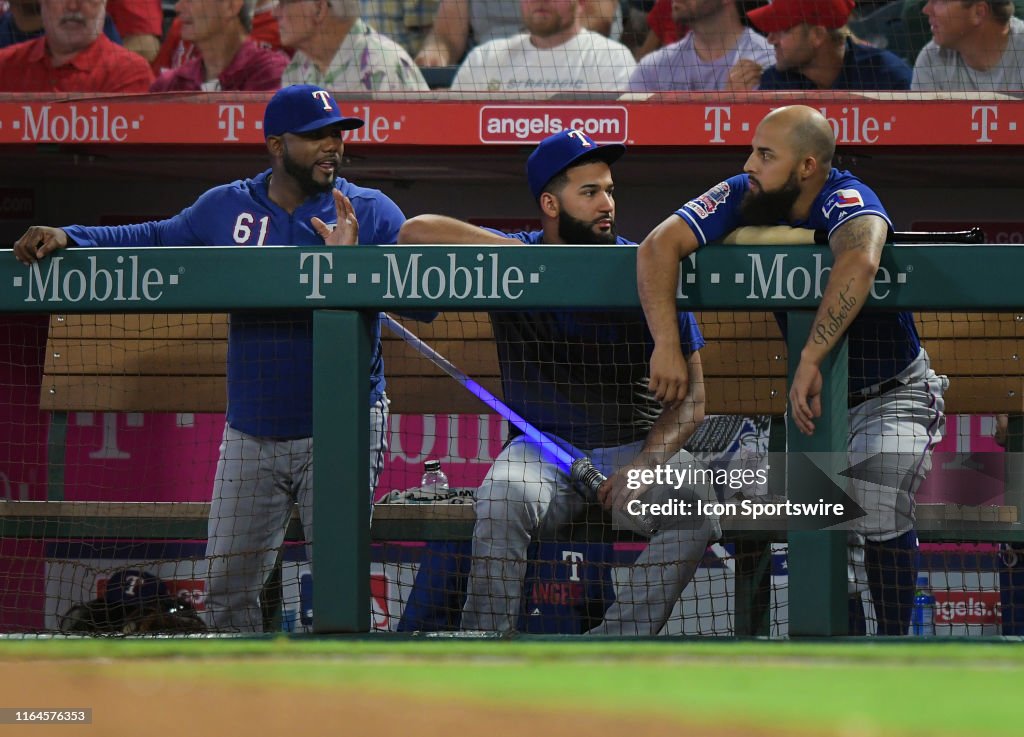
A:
(694, 476)
(813, 491)
(802, 492)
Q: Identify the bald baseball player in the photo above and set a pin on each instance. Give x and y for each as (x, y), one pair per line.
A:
(895, 399)
(578, 375)
(266, 457)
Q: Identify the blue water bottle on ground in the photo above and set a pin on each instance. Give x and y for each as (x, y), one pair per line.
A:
(922, 620)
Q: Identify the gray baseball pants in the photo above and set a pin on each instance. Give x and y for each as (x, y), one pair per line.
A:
(524, 496)
(258, 481)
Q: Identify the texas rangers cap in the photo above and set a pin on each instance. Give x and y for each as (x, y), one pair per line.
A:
(302, 108)
(781, 15)
(555, 153)
(134, 588)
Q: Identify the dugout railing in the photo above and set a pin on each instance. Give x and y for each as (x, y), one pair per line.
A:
(344, 287)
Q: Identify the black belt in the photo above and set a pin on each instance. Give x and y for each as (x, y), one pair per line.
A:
(859, 397)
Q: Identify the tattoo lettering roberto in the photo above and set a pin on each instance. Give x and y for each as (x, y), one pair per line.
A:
(835, 323)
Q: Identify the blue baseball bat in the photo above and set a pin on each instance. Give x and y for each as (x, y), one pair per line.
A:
(584, 476)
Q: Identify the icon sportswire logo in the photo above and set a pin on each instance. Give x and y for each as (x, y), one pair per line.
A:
(127, 280)
(406, 276)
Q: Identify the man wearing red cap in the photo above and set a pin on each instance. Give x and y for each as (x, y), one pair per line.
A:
(814, 50)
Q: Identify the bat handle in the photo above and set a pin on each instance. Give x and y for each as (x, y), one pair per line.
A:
(586, 479)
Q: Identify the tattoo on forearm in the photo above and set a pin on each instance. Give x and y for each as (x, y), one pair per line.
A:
(835, 323)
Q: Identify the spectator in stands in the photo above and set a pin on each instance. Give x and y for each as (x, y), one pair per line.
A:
(461, 24)
(140, 23)
(916, 26)
(814, 49)
(406, 22)
(337, 50)
(73, 55)
(557, 54)
(22, 20)
(662, 28)
(175, 50)
(703, 58)
(976, 46)
(228, 60)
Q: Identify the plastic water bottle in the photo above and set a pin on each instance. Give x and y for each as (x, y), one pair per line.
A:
(922, 620)
(434, 479)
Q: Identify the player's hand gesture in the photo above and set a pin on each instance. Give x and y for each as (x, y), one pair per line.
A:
(346, 232)
(670, 376)
(805, 396)
(39, 242)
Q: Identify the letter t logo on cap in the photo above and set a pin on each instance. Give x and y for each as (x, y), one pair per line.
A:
(582, 138)
(324, 98)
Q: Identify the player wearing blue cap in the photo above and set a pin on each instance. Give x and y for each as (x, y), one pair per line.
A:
(578, 375)
(266, 457)
(895, 401)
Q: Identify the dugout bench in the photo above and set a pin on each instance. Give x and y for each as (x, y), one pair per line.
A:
(175, 363)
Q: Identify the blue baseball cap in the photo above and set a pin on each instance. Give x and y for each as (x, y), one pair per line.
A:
(557, 152)
(134, 588)
(302, 108)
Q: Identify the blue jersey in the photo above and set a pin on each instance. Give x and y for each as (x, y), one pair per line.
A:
(881, 343)
(864, 68)
(270, 355)
(580, 374)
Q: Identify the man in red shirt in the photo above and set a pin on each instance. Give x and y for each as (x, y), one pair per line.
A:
(228, 60)
(73, 55)
(175, 50)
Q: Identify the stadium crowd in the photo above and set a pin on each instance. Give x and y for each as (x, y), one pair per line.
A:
(503, 45)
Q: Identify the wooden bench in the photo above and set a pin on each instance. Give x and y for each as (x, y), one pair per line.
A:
(175, 363)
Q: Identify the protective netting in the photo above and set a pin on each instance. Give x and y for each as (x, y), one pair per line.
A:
(115, 421)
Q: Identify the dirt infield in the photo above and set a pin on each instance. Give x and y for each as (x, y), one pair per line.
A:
(130, 706)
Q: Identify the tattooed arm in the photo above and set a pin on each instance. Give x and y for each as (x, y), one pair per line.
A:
(857, 250)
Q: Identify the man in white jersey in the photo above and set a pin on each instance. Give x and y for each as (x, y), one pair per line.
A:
(555, 55)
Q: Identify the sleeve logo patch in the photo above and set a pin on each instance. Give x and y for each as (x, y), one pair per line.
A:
(708, 202)
(842, 198)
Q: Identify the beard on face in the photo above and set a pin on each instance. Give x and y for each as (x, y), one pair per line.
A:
(703, 9)
(581, 233)
(550, 26)
(303, 176)
(770, 207)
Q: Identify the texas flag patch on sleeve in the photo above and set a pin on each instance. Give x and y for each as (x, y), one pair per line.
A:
(842, 198)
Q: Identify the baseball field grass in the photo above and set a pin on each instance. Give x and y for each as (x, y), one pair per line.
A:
(763, 688)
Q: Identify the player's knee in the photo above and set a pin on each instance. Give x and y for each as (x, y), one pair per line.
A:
(498, 504)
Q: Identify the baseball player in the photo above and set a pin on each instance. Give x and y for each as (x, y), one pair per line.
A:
(580, 376)
(895, 401)
(267, 451)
